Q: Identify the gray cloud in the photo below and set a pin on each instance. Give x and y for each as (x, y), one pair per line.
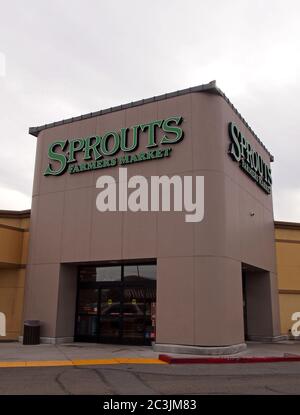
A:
(63, 59)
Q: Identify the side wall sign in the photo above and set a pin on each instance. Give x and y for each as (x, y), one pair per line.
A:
(250, 161)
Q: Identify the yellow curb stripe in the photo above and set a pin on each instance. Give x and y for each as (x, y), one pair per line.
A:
(91, 362)
(12, 364)
(81, 362)
(48, 363)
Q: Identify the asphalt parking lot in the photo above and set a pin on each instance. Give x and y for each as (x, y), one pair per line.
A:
(71, 371)
(277, 378)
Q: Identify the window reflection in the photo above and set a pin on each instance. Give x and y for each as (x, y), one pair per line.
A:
(139, 272)
(117, 303)
(110, 301)
(88, 301)
(99, 274)
(87, 325)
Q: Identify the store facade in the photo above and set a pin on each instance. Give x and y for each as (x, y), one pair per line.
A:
(151, 276)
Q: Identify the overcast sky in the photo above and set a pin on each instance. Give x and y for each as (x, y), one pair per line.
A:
(63, 58)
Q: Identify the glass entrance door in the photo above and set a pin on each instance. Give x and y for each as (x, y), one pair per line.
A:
(116, 304)
(110, 316)
(133, 315)
(87, 314)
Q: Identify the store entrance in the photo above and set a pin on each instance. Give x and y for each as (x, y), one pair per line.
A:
(116, 304)
(257, 302)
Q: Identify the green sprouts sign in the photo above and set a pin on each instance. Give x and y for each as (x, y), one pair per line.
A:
(98, 152)
(249, 160)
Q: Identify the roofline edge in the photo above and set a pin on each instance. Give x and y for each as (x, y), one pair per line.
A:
(210, 87)
(18, 214)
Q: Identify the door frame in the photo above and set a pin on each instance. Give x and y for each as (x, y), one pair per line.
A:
(244, 291)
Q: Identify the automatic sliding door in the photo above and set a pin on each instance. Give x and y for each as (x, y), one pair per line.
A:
(133, 315)
(116, 304)
(87, 315)
(150, 313)
(110, 315)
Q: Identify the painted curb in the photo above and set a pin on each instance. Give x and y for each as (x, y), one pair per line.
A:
(81, 362)
(229, 360)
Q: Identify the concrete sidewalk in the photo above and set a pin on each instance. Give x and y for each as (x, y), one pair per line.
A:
(16, 351)
(74, 354)
(17, 355)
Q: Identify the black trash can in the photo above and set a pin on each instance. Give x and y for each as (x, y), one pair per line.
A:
(31, 333)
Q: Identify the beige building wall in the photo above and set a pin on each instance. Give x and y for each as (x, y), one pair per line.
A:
(14, 234)
(199, 265)
(288, 266)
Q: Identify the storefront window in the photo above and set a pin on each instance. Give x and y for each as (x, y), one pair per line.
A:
(88, 301)
(88, 274)
(109, 273)
(87, 312)
(99, 274)
(116, 304)
(139, 272)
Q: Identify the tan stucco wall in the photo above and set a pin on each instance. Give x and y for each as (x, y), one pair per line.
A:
(14, 233)
(11, 300)
(22, 223)
(288, 266)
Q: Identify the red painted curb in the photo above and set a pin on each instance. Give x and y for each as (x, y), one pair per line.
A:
(245, 359)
